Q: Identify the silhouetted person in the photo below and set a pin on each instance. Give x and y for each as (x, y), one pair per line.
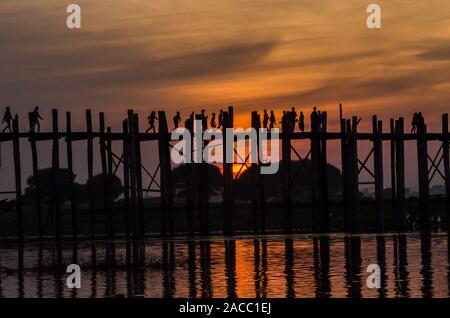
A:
(176, 120)
(189, 124)
(220, 119)
(292, 119)
(7, 118)
(213, 121)
(204, 119)
(301, 122)
(319, 120)
(420, 120)
(151, 122)
(414, 123)
(34, 120)
(265, 119)
(315, 119)
(272, 120)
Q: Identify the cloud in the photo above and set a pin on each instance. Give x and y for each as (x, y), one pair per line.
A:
(352, 88)
(93, 69)
(441, 53)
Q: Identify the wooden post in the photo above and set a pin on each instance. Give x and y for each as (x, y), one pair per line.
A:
(262, 192)
(315, 173)
(377, 130)
(345, 171)
(353, 174)
(324, 222)
(126, 178)
(133, 169)
(109, 183)
(70, 168)
(424, 192)
(203, 198)
(202, 188)
(18, 178)
(286, 175)
(37, 185)
(104, 171)
(446, 160)
(393, 174)
(139, 194)
(190, 183)
(228, 210)
(400, 174)
(56, 175)
(255, 177)
(166, 179)
(90, 156)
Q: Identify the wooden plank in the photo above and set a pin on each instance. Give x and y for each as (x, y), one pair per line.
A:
(18, 178)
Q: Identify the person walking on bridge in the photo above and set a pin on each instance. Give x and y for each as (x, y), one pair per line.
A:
(272, 121)
(7, 118)
(414, 122)
(220, 120)
(151, 122)
(265, 119)
(301, 122)
(176, 120)
(34, 120)
(212, 123)
(292, 119)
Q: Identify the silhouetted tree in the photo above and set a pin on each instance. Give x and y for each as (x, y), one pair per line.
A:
(301, 188)
(63, 180)
(185, 175)
(115, 188)
(44, 177)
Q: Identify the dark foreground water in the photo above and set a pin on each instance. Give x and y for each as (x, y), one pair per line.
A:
(273, 266)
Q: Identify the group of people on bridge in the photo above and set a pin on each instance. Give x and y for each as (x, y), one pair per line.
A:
(33, 117)
(289, 120)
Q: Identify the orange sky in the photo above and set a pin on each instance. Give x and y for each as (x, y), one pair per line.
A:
(181, 55)
(184, 55)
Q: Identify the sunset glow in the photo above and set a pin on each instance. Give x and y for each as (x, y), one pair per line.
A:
(178, 55)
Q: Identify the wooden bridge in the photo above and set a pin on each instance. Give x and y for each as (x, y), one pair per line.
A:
(131, 162)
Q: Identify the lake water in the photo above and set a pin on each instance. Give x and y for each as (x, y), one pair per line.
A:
(272, 266)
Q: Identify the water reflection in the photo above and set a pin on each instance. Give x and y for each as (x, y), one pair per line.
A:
(273, 266)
